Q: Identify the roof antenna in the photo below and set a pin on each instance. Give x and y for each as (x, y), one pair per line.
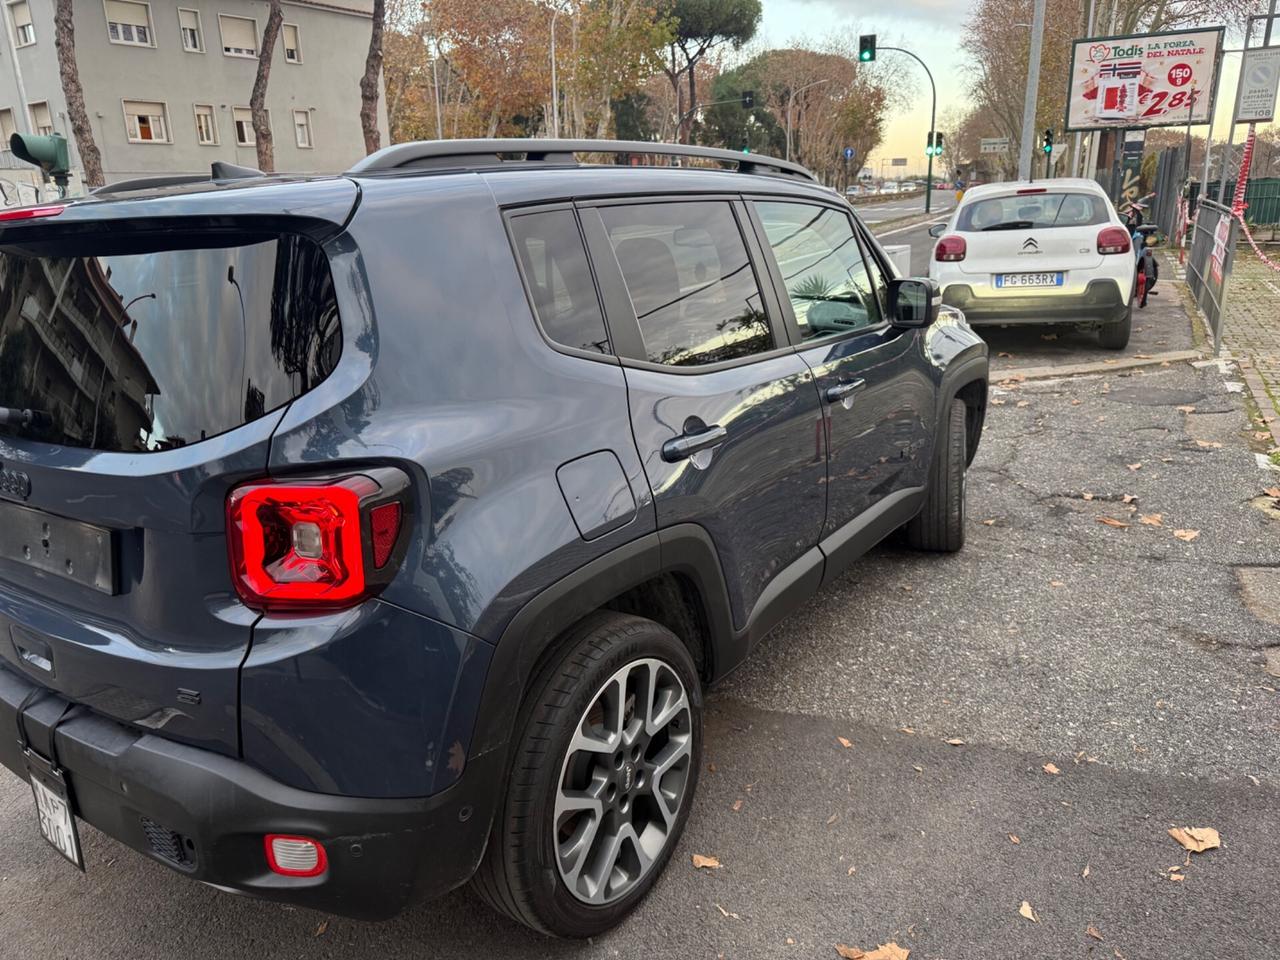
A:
(230, 171)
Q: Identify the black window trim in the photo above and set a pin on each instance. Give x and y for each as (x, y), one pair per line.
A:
(865, 245)
(620, 312)
(513, 213)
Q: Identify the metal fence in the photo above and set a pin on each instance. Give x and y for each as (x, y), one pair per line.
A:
(1262, 197)
(1213, 246)
(1171, 172)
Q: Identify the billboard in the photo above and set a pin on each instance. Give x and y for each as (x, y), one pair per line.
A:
(1146, 80)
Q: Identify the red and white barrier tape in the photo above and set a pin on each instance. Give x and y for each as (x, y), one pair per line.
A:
(1254, 243)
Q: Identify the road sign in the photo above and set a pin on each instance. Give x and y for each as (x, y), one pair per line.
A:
(994, 145)
(898, 162)
(1259, 76)
(1058, 150)
(848, 153)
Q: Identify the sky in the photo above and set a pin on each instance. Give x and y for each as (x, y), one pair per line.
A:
(931, 29)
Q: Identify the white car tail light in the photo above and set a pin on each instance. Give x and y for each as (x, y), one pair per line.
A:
(1113, 240)
(950, 249)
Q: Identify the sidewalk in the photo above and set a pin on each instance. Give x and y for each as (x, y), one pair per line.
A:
(1252, 330)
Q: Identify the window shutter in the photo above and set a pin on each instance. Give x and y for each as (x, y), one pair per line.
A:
(290, 33)
(189, 19)
(40, 114)
(124, 11)
(239, 34)
(21, 14)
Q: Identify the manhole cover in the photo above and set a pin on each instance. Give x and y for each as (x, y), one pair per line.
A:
(1156, 396)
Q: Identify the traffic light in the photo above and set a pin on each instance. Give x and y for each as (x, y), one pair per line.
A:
(748, 99)
(1048, 142)
(934, 147)
(47, 153)
(867, 47)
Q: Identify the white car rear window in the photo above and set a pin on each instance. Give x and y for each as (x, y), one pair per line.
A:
(1033, 211)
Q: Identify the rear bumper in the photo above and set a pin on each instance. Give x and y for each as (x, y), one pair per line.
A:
(383, 853)
(1101, 302)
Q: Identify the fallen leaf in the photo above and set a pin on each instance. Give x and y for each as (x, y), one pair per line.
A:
(906, 730)
(1175, 868)
(1092, 931)
(1086, 496)
(851, 871)
(1056, 583)
(790, 942)
(886, 951)
(1143, 356)
(1113, 522)
(1186, 409)
(1196, 839)
(917, 768)
(1076, 403)
(711, 768)
(989, 523)
(832, 819)
(997, 402)
(1048, 336)
(1272, 492)
(1027, 912)
(844, 742)
(1129, 498)
(1051, 769)
(320, 930)
(727, 913)
(1208, 444)
(1176, 877)
(1134, 466)
(1152, 519)
(705, 863)
(849, 953)
(1014, 838)
(737, 805)
(1110, 361)
(1084, 874)
(1023, 403)
(1187, 535)
(956, 742)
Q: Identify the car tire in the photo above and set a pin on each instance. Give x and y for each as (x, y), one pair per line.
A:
(940, 525)
(570, 769)
(1115, 336)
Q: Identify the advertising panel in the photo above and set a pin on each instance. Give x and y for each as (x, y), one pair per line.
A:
(1147, 80)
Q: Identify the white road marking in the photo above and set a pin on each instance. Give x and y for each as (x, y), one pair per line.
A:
(915, 226)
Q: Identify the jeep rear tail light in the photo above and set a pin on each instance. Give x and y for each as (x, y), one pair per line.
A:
(316, 543)
(1113, 240)
(31, 213)
(950, 249)
(292, 856)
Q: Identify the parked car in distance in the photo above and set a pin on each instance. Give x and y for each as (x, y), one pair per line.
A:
(890, 187)
(1052, 251)
(910, 186)
(395, 522)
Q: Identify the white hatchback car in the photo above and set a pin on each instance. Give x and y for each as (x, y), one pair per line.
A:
(1052, 251)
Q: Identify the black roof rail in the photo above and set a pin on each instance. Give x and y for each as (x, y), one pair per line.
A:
(466, 154)
(218, 172)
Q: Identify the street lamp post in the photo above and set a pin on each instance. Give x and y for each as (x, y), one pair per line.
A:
(1032, 92)
(791, 99)
(933, 117)
(555, 87)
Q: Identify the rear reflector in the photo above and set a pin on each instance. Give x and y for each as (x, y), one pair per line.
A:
(292, 856)
(950, 249)
(31, 213)
(385, 521)
(1113, 240)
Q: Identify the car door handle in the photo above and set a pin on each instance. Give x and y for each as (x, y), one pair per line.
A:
(841, 390)
(684, 447)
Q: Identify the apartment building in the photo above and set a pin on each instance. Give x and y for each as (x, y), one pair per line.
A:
(167, 84)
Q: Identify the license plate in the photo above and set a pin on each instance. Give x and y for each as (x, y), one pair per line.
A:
(57, 545)
(1028, 279)
(53, 812)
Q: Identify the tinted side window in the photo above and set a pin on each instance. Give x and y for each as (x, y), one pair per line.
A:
(554, 262)
(830, 288)
(695, 294)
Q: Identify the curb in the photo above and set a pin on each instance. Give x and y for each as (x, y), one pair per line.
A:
(1261, 397)
(1095, 367)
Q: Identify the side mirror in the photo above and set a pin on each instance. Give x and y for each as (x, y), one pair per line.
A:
(938, 229)
(914, 303)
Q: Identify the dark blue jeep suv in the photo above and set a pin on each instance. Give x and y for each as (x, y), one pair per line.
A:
(364, 535)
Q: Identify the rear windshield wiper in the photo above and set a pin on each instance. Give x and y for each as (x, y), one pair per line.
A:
(13, 417)
(1011, 225)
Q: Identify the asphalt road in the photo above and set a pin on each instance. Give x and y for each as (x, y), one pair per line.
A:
(880, 211)
(1130, 659)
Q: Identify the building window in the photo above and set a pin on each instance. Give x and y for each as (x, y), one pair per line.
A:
(292, 45)
(145, 122)
(192, 35)
(7, 128)
(242, 117)
(239, 36)
(129, 21)
(206, 125)
(41, 118)
(24, 30)
(302, 129)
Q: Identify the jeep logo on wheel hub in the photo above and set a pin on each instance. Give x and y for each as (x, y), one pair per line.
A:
(628, 775)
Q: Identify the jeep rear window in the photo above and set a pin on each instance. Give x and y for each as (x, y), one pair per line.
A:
(1038, 211)
(135, 345)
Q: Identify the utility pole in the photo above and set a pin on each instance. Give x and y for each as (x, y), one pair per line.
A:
(1076, 167)
(1032, 94)
(933, 114)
